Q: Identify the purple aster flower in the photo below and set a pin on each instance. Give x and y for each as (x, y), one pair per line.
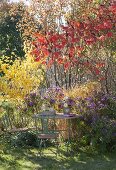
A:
(99, 102)
(33, 94)
(52, 101)
(30, 103)
(78, 105)
(88, 121)
(80, 110)
(79, 98)
(104, 98)
(58, 89)
(95, 117)
(114, 124)
(101, 105)
(92, 105)
(114, 97)
(88, 98)
(70, 102)
(81, 117)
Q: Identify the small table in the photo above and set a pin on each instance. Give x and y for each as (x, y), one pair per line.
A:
(62, 116)
(57, 116)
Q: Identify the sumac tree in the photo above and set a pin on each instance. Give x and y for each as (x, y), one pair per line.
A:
(79, 50)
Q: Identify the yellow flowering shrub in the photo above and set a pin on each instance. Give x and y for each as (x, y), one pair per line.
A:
(20, 78)
(83, 90)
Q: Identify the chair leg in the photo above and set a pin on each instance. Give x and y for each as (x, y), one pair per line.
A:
(67, 146)
(44, 144)
(43, 141)
(57, 147)
(40, 147)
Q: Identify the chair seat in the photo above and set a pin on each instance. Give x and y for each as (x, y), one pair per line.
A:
(48, 136)
(13, 130)
(17, 130)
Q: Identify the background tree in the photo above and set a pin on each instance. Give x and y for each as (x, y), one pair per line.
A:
(11, 42)
(50, 14)
(16, 29)
(82, 45)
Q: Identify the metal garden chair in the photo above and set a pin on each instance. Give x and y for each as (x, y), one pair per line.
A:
(12, 124)
(46, 130)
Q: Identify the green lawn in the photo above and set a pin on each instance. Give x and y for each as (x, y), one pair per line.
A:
(26, 159)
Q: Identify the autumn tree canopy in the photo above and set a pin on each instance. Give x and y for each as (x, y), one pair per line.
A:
(16, 28)
(11, 42)
(81, 45)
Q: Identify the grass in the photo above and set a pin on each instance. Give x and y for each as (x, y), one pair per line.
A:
(26, 159)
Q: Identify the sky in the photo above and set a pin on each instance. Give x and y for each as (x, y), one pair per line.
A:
(26, 1)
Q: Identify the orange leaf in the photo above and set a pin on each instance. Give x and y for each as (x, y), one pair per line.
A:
(66, 65)
(60, 61)
(50, 62)
(37, 59)
(112, 8)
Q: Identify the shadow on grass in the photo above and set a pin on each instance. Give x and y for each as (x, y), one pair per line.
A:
(12, 158)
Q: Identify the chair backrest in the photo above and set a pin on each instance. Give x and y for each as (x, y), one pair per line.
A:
(11, 121)
(45, 124)
(7, 122)
(21, 120)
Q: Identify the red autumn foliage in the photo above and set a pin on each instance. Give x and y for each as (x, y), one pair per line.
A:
(96, 70)
(56, 55)
(37, 59)
(109, 34)
(102, 38)
(90, 40)
(75, 38)
(60, 61)
(44, 63)
(50, 63)
(101, 78)
(112, 8)
(100, 64)
(67, 65)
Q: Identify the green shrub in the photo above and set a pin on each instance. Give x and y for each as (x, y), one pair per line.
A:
(27, 139)
(98, 127)
(24, 139)
(103, 134)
